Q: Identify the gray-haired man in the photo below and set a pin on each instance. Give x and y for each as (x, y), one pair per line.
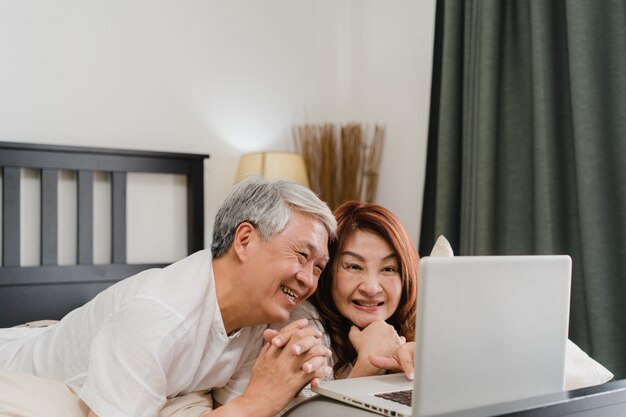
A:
(199, 324)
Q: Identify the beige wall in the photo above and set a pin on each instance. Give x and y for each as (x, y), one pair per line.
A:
(220, 77)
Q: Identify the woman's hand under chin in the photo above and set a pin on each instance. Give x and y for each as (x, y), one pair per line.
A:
(379, 339)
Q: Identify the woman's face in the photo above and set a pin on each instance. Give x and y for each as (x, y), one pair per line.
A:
(366, 279)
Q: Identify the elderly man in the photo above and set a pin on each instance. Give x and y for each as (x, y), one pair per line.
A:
(199, 324)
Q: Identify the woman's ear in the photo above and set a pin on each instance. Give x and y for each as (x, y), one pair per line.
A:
(244, 234)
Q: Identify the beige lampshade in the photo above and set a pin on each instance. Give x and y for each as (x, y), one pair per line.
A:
(273, 165)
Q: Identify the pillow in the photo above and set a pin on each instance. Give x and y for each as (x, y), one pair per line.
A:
(38, 323)
(580, 370)
(442, 247)
(25, 395)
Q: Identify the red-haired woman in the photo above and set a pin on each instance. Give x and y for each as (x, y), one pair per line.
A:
(365, 302)
(365, 299)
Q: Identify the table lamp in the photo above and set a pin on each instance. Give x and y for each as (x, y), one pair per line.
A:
(273, 165)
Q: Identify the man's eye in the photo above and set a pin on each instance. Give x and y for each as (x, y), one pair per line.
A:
(318, 269)
(302, 257)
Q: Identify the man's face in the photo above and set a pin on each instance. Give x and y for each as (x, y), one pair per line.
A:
(286, 268)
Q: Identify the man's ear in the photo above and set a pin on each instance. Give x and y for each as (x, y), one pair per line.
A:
(244, 235)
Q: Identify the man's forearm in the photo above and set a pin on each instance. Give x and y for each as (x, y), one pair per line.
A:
(241, 407)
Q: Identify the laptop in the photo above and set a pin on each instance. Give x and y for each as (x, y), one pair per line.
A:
(490, 330)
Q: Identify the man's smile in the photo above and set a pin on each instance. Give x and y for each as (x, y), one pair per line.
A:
(292, 295)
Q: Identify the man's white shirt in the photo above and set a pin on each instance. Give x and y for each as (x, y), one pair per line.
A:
(152, 336)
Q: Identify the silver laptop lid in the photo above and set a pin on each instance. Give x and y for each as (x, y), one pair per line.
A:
(489, 330)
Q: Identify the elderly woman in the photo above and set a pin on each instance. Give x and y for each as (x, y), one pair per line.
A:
(366, 298)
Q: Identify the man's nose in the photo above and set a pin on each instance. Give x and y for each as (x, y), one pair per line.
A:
(307, 278)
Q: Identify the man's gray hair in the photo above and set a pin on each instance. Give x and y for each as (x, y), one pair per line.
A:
(268, 205)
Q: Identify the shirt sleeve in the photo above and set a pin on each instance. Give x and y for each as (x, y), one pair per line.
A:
(129, 359)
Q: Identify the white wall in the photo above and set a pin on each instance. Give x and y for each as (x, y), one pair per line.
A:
(391, 75)
(220, 77)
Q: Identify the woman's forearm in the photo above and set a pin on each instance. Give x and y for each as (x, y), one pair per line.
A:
(363, 367)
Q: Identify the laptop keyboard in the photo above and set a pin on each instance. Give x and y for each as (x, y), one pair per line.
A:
(402, 397)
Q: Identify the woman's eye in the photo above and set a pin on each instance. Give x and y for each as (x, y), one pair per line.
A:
(353, 267)
(390, 269)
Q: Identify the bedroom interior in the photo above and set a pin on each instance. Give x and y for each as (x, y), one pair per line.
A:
(168, 81)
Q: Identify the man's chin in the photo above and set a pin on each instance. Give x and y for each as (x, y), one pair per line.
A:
(280, 316)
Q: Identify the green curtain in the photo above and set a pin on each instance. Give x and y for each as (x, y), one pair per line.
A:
(527, 147)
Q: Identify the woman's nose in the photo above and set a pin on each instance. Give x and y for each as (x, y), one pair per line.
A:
(370, 284)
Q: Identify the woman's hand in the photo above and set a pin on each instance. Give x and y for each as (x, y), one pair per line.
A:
(400, 360)
(380, 339)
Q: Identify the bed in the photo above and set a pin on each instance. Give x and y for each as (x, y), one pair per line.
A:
(50, 289)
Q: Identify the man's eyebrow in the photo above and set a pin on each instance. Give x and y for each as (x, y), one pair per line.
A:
(312, 249)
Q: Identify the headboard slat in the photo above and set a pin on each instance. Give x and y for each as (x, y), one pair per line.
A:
(118, 213)
(49, 216)
(85, 217)
(68, 274)
(195, 205)
(11, 216)
(76, 159)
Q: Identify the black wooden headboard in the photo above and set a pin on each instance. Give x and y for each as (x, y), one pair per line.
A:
(50, 290)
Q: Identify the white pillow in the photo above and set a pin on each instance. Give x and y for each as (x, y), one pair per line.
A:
(442, 247)
(580, 370)
(25, 395)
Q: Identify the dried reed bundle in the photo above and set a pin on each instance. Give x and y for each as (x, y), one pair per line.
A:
(342, 161)
(351, 152)
(328, 156)
(306, 137)
(372, 164)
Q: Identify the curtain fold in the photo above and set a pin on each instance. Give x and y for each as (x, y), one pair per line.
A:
(527, 147)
